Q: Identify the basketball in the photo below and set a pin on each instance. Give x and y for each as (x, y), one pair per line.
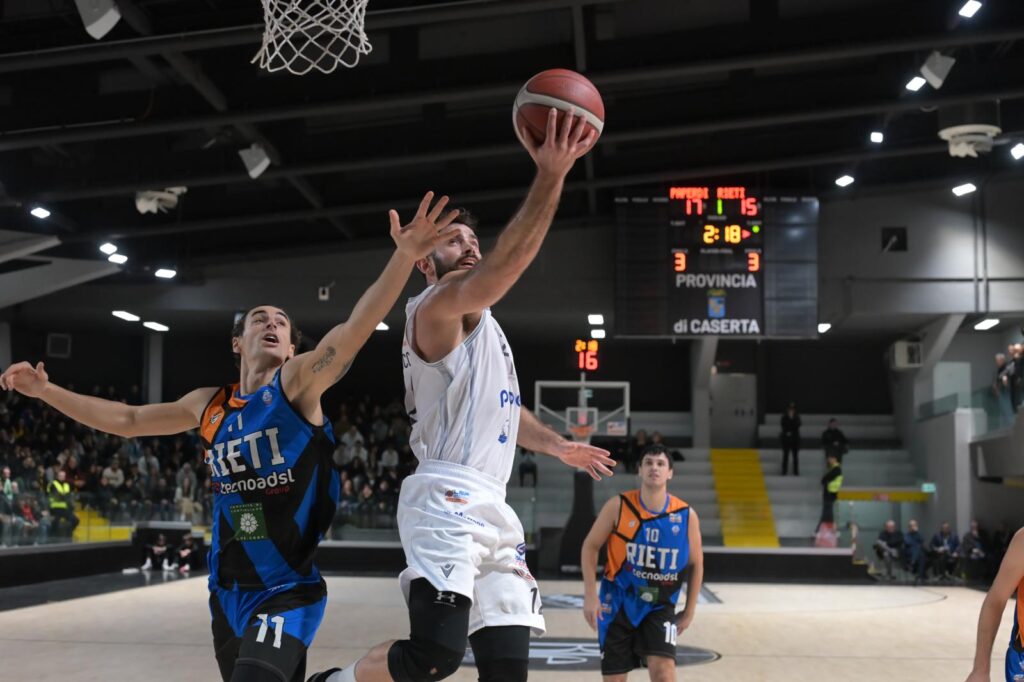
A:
(562, 89)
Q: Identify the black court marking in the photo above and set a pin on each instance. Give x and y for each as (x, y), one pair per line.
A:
(575, 601)
(577, 654)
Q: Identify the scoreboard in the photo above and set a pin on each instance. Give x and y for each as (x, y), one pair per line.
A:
(701, 260)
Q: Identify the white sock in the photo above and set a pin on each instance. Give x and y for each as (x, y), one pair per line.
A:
(347, 674)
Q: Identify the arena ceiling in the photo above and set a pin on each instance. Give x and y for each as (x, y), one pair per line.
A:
(781, 93)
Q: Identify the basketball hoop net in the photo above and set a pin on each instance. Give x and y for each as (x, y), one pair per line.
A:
(302, 35)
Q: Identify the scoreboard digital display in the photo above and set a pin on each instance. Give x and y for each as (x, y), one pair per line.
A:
(719, 260)
(716, 272)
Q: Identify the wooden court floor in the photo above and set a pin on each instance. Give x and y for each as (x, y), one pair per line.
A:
(761, 632)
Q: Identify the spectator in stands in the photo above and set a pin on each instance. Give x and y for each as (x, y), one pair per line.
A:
(349, 502)
(104, 499)
(130, 499)
(1001, 385)
(158, 555)
(114, 474)
(35, 526)
(789, 436)
(833, 440)
(162, 497)
(367, 504)
(915, 553)
(379, 428)
(973, 549)
(527, 467)
(6, 482)
(185, 500)
(831, 482)
(10, 521)
(388, 459)
(351, 437)
(387, 498)
(185, 555)
(62, 506)
(889, 547)
(945, 550)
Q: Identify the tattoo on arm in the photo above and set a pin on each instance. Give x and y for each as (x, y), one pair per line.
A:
(327, 359)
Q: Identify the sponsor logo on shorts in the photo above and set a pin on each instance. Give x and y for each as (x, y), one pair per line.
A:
(465, 517)
(447, 569)
(456, 496)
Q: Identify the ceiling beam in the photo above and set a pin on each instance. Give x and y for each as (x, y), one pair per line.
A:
(608, 82)
(280, 218)
(711, 126)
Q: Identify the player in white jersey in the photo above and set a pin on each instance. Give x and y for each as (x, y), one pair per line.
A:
(467, 575)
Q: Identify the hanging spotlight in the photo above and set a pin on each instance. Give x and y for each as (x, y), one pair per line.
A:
(40, 212)
(108, 249)
(118, 258)
(963, 189)
(823, 327)
(1017, 151)
(597, 333)
(255, 159)
(382, 327)
(877, 137)
(99, 16)
(156, 326)
(165, 273)
(936, 68)
(844, 181)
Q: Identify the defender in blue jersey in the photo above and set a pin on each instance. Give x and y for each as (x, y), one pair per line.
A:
(269, 449)
(652, 538)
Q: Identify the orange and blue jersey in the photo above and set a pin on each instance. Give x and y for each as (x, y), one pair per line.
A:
(275, 489)
(648, 552)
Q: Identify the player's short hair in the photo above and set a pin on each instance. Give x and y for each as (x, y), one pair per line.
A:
(654, 451)
(238, 328)
(467, 218)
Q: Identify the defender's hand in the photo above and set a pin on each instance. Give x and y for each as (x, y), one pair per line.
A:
(423, 233)
(560, 149)
(595, 461)
(25, 379)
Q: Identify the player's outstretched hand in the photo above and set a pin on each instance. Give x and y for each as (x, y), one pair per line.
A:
(561, 147)
(590, 607)
(595, 461)
(25, 379)
(423, 233)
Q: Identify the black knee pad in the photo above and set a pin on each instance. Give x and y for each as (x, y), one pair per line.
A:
(439, 623)
(422, 661)
(501, 653)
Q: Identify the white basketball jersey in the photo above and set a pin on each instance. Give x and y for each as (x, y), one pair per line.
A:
(465, 407)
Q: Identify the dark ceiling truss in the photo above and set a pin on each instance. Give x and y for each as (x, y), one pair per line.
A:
(849, 85)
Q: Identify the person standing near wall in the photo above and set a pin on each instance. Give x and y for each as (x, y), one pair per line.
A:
(831, 482)
(790, 437)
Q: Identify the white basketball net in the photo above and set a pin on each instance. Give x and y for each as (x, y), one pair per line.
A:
(302, 35)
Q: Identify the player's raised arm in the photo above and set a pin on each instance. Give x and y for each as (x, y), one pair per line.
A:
(312, 373)
(521, 239)
(127, 421)
(603, 526)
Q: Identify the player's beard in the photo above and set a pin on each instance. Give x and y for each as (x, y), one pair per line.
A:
(442, 269)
